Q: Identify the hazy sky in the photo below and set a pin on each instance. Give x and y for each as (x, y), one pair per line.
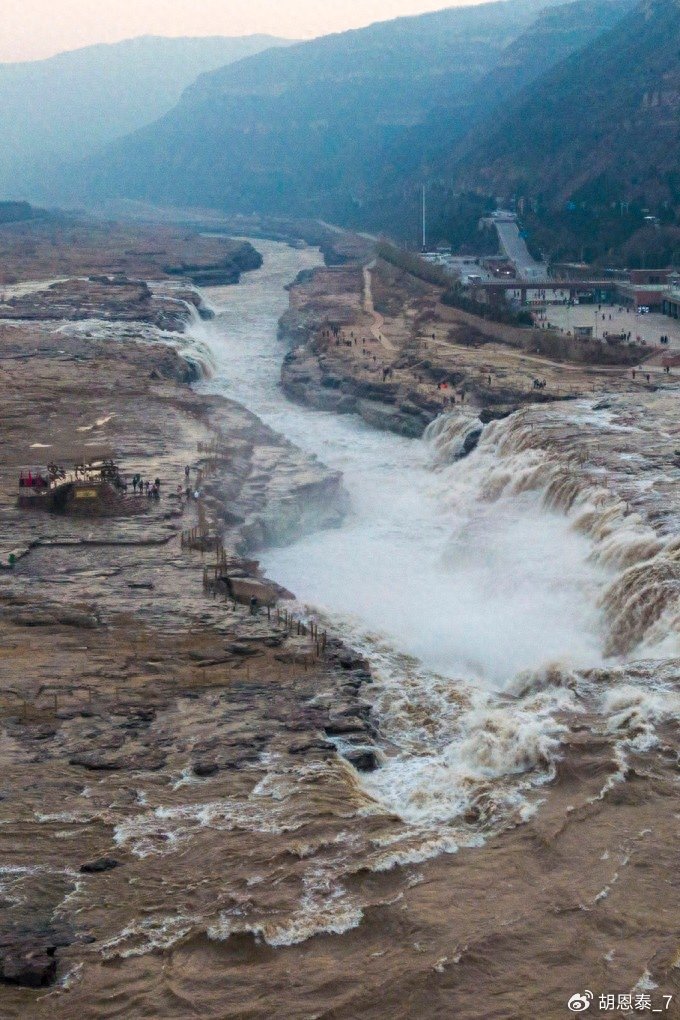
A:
(31, 29)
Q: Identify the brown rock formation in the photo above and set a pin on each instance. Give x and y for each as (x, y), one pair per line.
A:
(379, 342)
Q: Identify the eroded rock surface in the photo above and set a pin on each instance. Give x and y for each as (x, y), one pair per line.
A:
(229, 761)
(375, 341)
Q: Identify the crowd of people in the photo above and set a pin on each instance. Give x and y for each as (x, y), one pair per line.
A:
(145, 487)
(55, 476)
(33, 481)
(107, 472)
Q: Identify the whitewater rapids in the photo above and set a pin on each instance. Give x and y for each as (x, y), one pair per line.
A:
(519, 609)
(483, 589)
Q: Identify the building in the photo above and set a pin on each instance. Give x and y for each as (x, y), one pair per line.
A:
(571, 271)
(546, 292)
(649, 277)
(648, 295)
(671, 297)
(634, 288)
(498, 266)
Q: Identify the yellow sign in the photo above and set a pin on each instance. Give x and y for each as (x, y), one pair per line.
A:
(85, 494)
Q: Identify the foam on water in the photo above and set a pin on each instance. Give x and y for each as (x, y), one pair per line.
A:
(489, 592)
(467, 589)
(458, 578)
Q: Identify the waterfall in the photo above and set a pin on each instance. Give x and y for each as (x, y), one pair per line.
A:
(487, 572)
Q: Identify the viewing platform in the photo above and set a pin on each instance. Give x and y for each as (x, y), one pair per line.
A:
(94, 489)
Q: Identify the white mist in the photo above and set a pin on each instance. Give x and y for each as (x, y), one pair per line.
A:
(471, 589)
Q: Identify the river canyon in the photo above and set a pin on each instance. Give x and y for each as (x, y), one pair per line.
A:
(517, 608)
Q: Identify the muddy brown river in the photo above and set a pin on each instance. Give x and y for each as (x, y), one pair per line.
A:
(520, 610)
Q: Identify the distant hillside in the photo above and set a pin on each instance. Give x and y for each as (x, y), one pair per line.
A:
(67, 106)
(431, 151)
(556, 33)
(19, 212)
(595, 144)
(306, 130)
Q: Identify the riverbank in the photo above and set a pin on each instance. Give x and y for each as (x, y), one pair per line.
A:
(338, 246)
(80, 246)
(114, 653)
(376, 341)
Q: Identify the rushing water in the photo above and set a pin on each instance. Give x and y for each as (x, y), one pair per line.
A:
(467, 588)
(484, 590)
(517, 606)
(452, 595)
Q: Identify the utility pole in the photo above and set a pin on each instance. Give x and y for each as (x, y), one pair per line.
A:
(424, 219)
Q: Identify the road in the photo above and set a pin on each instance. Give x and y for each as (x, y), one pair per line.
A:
(369, 308)
(513, 245)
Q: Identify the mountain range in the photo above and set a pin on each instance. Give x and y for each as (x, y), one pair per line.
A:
(569, 109)
(610, 110)
(594, 147)
(66, 107)
(306, 129)
(437, 150)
